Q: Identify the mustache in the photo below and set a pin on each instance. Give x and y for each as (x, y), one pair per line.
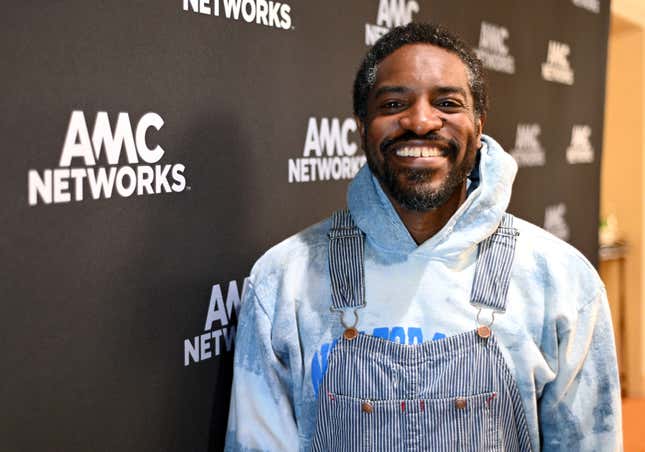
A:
(446, 144)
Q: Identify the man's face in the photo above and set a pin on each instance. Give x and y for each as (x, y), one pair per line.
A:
(421, 133)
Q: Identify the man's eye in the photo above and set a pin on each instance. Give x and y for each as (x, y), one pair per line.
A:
(392, 104)
(449, 103)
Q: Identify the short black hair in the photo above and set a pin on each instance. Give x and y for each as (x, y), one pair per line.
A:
(419, 33)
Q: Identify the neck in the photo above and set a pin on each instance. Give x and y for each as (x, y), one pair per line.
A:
(424, 225)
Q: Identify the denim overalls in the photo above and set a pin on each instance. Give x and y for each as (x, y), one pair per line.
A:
(453, 394)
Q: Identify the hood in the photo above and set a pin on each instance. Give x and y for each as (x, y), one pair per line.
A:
(476, 219)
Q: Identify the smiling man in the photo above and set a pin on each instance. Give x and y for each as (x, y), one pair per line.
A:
(425, 317)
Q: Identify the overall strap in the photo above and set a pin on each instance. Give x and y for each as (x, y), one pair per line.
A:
(346, 267)
(493, 270)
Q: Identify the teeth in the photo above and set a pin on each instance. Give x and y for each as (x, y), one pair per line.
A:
(418, 152)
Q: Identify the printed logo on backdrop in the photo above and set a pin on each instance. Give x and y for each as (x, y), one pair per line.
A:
(528, 150)
(557, 67)
(391, 13)
(261, 12)
(493, 50)
(329, 152)
(219, 330)
(580, 150)
(591, 5)
(555, 222)
(89, 165)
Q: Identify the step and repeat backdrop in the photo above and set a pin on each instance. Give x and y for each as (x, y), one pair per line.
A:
(153, 150)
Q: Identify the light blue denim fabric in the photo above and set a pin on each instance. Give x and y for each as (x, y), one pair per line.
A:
(452, 395)
(556, 336)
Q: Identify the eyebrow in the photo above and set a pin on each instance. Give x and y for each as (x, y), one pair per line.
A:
(390, 89)
(451, 90)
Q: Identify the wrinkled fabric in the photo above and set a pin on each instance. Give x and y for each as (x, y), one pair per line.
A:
(556, 335)
(452, 395)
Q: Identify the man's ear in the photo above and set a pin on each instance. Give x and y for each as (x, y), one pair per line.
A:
(361, 130)
(480, 119)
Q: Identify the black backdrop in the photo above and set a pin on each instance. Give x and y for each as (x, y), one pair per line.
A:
(118, 313)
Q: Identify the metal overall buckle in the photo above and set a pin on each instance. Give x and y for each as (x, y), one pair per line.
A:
(350, 332)
(483, 329)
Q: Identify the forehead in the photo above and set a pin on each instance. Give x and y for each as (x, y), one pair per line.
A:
(422, 66)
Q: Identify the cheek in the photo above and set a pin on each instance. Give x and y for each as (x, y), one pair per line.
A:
(467, 131)
(380, 130)
(373, 137)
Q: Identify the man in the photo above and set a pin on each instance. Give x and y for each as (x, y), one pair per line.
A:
(425, 318)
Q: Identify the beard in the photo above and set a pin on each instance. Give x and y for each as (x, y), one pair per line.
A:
(412, 187)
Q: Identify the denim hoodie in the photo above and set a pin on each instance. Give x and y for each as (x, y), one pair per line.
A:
(556, 334)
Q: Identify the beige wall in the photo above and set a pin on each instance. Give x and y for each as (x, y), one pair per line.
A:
(632, 10)
(623, 175)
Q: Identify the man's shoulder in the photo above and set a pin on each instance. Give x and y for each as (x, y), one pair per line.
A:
(558, 264)
(308, 243)
(543, 243)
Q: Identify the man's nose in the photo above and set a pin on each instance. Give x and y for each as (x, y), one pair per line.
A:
(422, 118)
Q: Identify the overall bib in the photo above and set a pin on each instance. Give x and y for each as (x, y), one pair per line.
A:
(453, 394)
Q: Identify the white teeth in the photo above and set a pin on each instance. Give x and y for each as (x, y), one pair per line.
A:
(418, 152)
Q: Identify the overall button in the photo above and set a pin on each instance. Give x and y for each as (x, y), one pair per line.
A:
(483, 332)
(460, 403)
(367, 407)
(350, 333)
